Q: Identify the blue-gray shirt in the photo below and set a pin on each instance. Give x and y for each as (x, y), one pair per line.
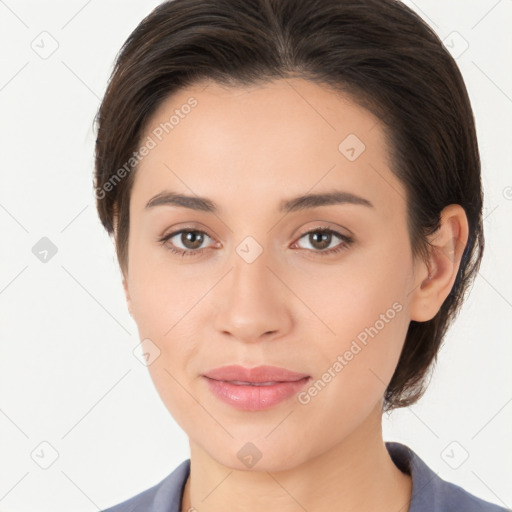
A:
(429, 492)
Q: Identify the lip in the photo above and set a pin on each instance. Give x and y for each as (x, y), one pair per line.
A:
(254, 389)
(257, 374)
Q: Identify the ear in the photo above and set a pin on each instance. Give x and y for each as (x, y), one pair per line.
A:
(436, 276)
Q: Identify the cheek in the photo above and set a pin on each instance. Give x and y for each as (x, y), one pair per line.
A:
(162, 317)
(162, 304)
(366, 289)
(174, 387)
(367, 311)
(357, 363)
(160, 293)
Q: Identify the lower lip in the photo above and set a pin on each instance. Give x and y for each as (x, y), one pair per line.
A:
(255, 398)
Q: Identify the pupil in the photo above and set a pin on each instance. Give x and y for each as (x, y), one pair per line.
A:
(324, 239)
(193, 240)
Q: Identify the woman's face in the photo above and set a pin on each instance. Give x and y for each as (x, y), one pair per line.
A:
(261, 284)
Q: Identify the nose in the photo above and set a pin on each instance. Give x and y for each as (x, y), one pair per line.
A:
(253, 303)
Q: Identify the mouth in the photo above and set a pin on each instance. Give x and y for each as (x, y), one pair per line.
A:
(254, 389)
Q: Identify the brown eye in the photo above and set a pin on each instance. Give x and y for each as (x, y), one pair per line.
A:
(186, 242)
(320, 241)
(192, 239)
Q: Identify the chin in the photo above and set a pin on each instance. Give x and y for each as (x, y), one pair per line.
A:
(261, 456)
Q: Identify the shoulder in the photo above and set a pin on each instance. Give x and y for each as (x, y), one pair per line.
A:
(453, 498)
(430, 491)
(165, 496)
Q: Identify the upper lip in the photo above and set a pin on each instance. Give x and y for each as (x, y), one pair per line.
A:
(257, 374)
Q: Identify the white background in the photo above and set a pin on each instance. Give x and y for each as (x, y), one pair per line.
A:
(68, 376)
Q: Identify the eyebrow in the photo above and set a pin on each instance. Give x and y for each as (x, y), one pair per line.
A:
(299, 203)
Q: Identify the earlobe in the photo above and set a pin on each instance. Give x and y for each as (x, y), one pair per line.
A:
(436, 276)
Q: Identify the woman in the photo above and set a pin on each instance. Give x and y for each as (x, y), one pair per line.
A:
(293, 187)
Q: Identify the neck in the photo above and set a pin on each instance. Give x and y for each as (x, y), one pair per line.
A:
(357, 474)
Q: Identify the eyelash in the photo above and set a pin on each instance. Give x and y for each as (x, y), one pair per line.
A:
(346, 241)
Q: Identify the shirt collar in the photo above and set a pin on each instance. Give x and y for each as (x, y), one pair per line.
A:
(425, 482)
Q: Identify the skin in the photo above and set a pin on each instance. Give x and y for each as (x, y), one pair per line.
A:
(247, 149)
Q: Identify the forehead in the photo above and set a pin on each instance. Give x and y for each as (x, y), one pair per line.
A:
(246, 144)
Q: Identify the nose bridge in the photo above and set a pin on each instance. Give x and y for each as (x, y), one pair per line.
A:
(253, 301)
(250, 259)
(251, 278)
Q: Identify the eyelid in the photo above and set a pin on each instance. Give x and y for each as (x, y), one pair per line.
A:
(325, 225)
(196, 227)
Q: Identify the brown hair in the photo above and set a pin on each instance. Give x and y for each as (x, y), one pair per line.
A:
(378, 51)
